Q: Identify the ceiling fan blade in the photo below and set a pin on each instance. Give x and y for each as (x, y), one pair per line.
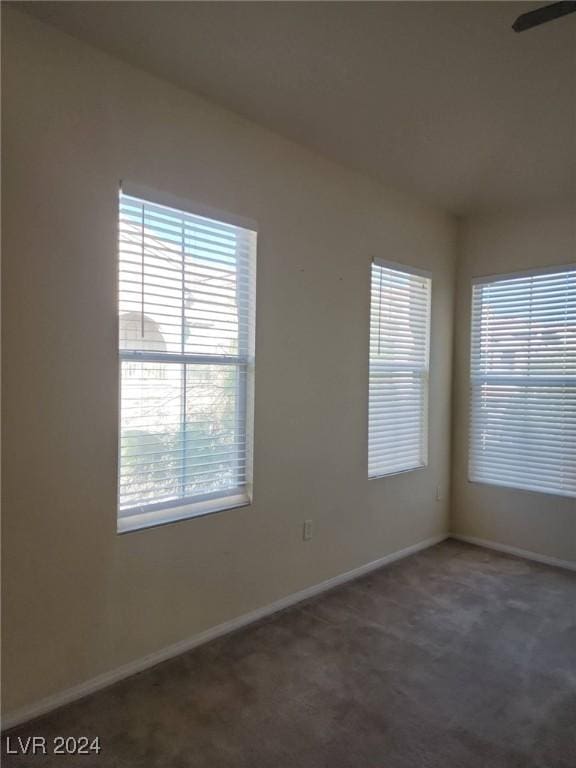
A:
(542, 15)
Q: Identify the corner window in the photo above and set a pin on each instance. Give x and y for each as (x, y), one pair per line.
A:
(523, 382)
(186, 348)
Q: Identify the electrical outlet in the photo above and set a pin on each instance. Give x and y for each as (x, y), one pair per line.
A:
(307, 530)
(438, 494)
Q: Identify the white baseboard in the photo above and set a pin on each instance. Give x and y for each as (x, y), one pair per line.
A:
(526, 553)
(69, 695)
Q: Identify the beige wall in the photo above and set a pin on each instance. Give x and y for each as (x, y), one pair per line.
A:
(79, 599)
(537, 522)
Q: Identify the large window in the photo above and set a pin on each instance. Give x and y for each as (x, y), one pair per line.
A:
(186, 346)
(523, 367)
(398, 382)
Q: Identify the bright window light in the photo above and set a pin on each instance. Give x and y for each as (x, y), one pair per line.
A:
(523, 385)
(398, 379)
(186, 347)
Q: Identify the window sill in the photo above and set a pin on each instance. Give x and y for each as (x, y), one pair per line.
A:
(398, 472)
(547, 491)
(158, 517)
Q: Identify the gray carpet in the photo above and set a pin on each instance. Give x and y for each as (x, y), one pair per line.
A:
(454, 658)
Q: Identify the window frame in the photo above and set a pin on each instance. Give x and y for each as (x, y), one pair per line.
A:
(422, 372)
(478, 380)
(155, 514)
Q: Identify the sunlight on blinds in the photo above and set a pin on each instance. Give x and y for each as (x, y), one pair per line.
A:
(186, 339)
(523, 382)
(398, 380)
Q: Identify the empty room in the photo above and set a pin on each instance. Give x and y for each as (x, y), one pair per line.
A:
(288, 384)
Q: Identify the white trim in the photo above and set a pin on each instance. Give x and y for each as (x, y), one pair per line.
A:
(398, 472)
(69, 695)
(168, 200)
(396, 266)
(518, 487)
(558, 269)
(526, 553)
(140, 521)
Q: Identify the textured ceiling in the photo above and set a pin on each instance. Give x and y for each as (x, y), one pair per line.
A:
(438, 99)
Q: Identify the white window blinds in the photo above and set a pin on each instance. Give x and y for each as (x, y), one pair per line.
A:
(186, 346)
(523, 386)
(398, 380)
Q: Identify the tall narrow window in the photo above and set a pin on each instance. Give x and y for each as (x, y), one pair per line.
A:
(398, 383)
(523, 367)
(186, 345)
